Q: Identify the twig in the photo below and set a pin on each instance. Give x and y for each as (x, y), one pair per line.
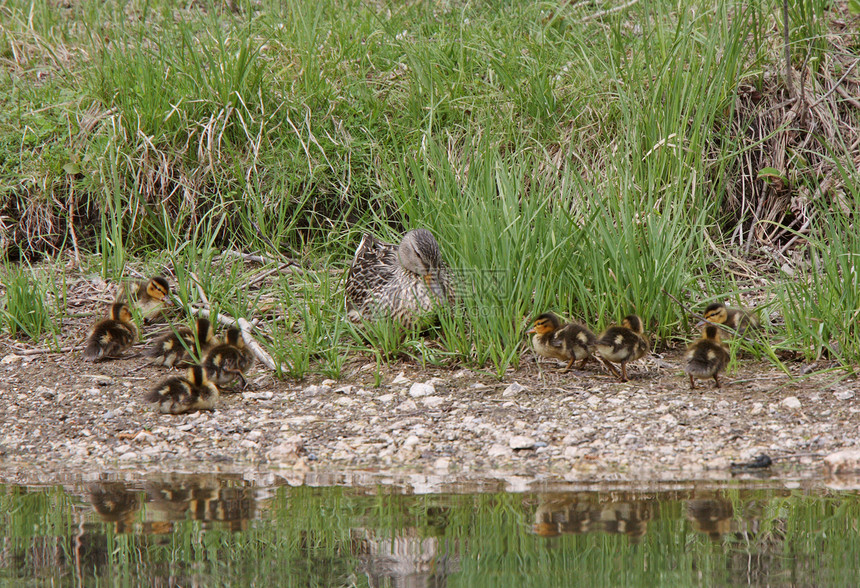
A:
(248, 256)
(836, 85)
(200, 289)
(256, 349)
(71, 213)
(603, 13)
(47, 350)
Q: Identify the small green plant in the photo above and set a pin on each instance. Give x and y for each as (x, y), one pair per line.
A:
(25, 309)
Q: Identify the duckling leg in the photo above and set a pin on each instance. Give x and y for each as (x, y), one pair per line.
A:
(717, 380)
(582, 362)
(610, 367)
(624, 377)
(569, 364)
(692, 382)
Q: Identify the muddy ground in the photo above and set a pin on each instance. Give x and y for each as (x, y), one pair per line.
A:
(58, 412)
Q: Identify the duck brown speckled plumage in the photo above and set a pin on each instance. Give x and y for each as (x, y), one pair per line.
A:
(567, 342)
(229, 360)
(172, 349)
(706, 357)
(622, 344)
(109, 338)
(176, 395)
(402, 282)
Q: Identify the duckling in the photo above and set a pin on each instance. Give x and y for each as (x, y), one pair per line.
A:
(621, 344)
(173, 348)
(736, 318)
(404, 282)
(570, 342)
(176, 395)
(229, 360)
(150, 296)
(110, 337)
(707, 357)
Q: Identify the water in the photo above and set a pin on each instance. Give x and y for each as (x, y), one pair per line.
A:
(224, 530)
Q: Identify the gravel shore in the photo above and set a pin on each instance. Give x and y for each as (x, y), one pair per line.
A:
(58, 412)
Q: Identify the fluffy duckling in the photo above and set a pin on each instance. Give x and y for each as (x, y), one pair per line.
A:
(555, 340)
(110, 337)
(150, 296)
(229, 360)
(707, 357)
(172, 349)
(735, 318)
(176, 395)
(621, 344)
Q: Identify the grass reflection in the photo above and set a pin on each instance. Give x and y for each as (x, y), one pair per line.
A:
(212, 530)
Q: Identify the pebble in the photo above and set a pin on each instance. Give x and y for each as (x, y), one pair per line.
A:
(418, 390)
(791, 402)
(844, 395)
(314, 390)
(521, 442)
(401, 379)
(498, 450)
(409, 405)
(433, 401)
(10, 359)
(513, 389)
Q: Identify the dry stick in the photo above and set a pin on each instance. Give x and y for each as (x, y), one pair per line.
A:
(788, 81)
(603, 13)
(200, 290)
(72, 225)
(248, 256)
(47, 350)
(836, 85)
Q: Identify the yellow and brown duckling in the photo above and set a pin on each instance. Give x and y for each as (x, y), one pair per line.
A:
(621, 344)
(403, 282)
(737, 319)
(567, 342)
(176, 395)
(706, 357)
(150, 296)
(172, 349)
(229, 360)
(109, 338)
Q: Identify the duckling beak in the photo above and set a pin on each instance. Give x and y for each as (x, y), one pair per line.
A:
(530, 331)
(701, 324)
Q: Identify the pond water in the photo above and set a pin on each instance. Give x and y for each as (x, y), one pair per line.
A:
(183, 530)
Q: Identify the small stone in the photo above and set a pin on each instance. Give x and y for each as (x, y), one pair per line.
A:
(843, 462)
(791, 402)
(539, 444)
(521, 442)
(185, 427)
(103, 380)
(513, 389)
(757, 408)
(411, 441)
(418, 390)
(433, 401)
(46, 393)
(409, 405)
(385, 398)
(247, 444)
(443, 464)
(10, 359)
(844, 395)
(478, 386)
(314, 390)
(593, 400)
(86, 433)
(265, 395)
(128, 456)
(345, 389)
(345, 401)
(329, 382)
(400, 379)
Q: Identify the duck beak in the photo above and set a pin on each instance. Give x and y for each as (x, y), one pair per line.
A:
(434, 285)
(701, 324)
(530, 331)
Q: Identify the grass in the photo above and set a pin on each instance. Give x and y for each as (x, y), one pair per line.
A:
(583, 166)
(318, 536)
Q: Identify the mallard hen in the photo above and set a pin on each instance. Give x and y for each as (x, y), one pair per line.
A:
(403, 282)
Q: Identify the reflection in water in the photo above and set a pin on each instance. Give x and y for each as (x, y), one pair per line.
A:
(203, 530)
(586, 512)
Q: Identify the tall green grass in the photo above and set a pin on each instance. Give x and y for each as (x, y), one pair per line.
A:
(563, 164)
